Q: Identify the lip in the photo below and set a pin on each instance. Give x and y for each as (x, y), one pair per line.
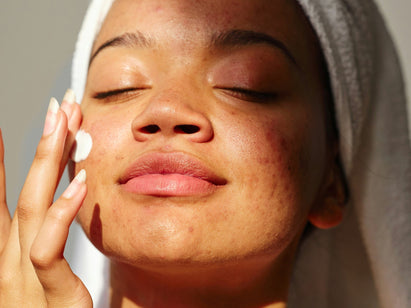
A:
(170, 174)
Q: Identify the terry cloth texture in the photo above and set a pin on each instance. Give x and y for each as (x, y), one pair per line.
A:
(366, 261)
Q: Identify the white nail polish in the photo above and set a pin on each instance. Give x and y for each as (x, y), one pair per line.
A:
(51, 117)
(69, 97)
(75, 185)
(81, 176)
(53, 106)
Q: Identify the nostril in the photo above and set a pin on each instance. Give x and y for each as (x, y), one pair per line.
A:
(150, 129)
(186, 129)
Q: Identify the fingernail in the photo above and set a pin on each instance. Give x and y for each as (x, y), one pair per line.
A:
(74, 186)
(81, 176)
(69, 97)
(51, 118)
(68, 101)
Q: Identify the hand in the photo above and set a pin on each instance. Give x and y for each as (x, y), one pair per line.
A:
(33, 271)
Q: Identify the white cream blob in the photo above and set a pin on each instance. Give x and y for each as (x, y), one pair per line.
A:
(82, 146)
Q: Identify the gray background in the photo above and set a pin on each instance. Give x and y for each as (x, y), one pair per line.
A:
(37, 40)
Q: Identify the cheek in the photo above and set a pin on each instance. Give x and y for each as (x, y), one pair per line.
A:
(268, 167)
(278, 158)
(107, 135)
(264, 144)
(272, 159)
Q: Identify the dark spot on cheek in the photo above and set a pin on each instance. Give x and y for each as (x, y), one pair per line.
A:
(287, 188)
(286, 196)
(287, 157)
(263, 160)
(119, 157)
(283, 144)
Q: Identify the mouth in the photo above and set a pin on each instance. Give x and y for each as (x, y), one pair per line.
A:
(170, 174)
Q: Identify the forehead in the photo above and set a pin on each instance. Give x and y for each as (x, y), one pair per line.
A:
(194, 21)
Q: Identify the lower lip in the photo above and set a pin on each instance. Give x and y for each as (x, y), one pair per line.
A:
(168, 185)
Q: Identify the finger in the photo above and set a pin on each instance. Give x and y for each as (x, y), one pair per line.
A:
(64, 289)
(38, 190)
(61, 286)
(5, 219)
(73, 112)
(10, 256)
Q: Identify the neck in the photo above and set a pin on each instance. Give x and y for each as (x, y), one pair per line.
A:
(259, 282)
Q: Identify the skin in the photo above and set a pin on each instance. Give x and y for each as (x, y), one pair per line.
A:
(231, 247)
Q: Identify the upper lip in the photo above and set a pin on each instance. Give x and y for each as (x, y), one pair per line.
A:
(171, 163)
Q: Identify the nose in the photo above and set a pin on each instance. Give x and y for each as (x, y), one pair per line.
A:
(168, 115)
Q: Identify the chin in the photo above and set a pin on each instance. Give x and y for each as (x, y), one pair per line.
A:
(171, 246)
(166, 232)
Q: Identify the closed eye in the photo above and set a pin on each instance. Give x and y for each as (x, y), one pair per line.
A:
(250, 95)
(116, 93)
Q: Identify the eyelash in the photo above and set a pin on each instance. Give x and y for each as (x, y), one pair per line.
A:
(250, 95)
(114, 93)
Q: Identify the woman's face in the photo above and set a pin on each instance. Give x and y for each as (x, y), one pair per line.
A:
(207, 119)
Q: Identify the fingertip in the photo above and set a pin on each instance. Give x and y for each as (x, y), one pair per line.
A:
(81, 176)
(56, 118)
(76, 185)
(76, 115)
(54, 141)
(62, 126)
(69, 96)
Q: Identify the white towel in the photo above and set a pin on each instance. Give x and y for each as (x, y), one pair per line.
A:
(365, 262)
(372, 119)
(92, 22)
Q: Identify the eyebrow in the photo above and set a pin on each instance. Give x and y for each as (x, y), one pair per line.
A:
(234, 38)
(231, 38)
(136, 39)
